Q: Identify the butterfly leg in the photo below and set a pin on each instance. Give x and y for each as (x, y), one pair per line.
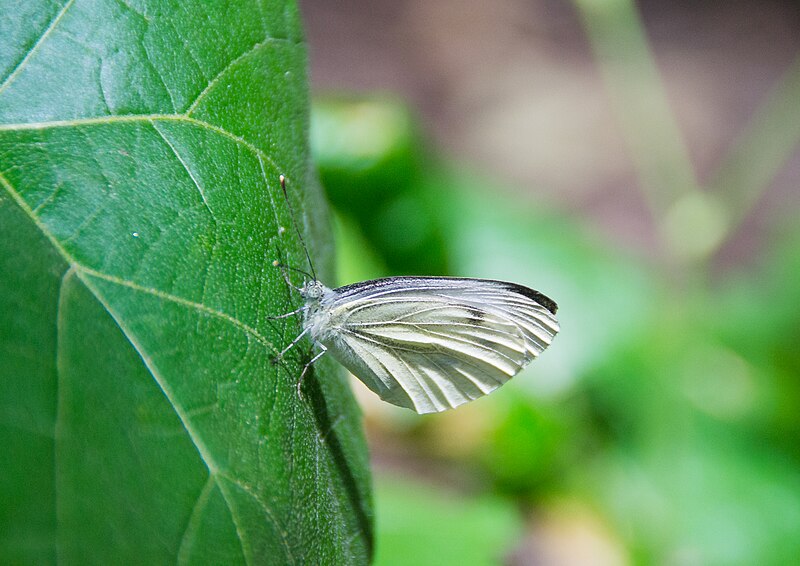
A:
(308, 365)
(288, 314)
(299, 337)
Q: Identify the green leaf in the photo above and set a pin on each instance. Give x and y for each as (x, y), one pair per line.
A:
(141, 417)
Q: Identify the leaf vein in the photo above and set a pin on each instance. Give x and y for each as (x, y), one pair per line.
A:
(185, 302)
(232, 63)
(157, 73)
(205, 454)
(193, 524)
(267, 512)
(205, 202)
(32, 51)
(134, 118)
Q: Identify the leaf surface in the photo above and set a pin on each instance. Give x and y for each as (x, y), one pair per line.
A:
(141, 415)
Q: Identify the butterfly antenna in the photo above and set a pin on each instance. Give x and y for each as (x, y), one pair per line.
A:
(284, 267)
(297, 229)
(285, 274)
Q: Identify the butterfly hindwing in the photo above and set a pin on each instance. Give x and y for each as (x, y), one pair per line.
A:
(431, 344)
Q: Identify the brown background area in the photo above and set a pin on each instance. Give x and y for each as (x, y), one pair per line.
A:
(512, 89)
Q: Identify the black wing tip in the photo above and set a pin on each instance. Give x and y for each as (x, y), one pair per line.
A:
(540, 298)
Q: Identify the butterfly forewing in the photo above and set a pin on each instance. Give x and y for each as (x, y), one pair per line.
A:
(431, 343)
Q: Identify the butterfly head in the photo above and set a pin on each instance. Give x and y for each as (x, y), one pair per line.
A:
(312, 290)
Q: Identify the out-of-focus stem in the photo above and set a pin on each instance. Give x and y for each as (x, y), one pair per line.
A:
(634, 85)
(768, 140)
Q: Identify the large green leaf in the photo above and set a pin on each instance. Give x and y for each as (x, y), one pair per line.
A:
(141, 417)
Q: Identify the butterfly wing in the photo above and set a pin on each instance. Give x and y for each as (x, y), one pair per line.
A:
(431, 344)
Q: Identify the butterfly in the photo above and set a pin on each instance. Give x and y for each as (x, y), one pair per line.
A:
(425, 343)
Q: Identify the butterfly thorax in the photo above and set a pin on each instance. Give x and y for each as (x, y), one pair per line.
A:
(317, 314)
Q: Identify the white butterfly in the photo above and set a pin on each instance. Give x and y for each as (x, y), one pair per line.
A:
(427, 343)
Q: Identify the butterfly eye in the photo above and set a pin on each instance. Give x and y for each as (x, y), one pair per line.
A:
(313, 290)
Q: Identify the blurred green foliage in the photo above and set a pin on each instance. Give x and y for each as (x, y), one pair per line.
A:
(372, 163)
(426, 525)
(669, 403)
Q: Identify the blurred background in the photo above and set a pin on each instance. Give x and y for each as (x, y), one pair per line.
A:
(639, 164)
